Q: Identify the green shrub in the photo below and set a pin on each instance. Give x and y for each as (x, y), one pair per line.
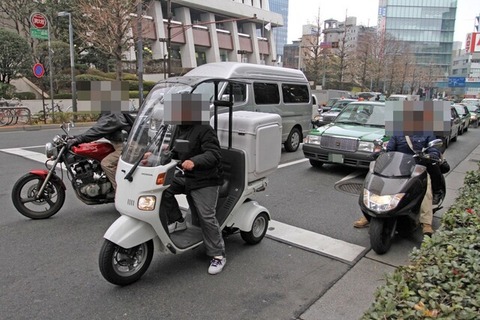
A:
(99, 73)
(135, 94)
(443, 279)
(129, 76)
(62, 96)
(25, 95)
(91, 77)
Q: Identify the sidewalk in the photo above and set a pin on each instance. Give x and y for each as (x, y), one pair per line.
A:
(353, 294)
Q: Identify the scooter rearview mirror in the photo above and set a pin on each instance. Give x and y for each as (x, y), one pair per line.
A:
(435, 143)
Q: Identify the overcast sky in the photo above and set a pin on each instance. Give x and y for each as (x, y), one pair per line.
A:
(302, 12)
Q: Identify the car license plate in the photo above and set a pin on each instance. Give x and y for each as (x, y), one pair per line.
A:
(333, 157)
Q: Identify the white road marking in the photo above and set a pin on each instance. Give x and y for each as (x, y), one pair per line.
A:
(313, 241)
(304, 239)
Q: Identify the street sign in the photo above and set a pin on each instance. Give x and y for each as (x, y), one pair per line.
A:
(38, 20)
(38, 70)
(39, 33)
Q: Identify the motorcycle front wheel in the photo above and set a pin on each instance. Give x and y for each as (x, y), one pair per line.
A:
(122, 266)
(25, 200)
(381, 234)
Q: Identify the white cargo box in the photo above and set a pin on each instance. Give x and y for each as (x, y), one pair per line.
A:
(259, 135)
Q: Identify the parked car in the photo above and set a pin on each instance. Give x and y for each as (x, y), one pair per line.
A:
(348, 140)
(474, 115)
(464, 114)
(330, 115)
(455, 123)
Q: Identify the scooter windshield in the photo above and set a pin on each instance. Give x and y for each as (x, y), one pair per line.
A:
(394, 164)
(148, 132)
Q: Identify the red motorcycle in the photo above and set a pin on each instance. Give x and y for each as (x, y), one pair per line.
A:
(41, 193)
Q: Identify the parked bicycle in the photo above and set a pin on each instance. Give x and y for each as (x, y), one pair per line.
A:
(48, 111)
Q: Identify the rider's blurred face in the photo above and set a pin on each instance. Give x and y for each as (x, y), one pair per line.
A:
(186, 109)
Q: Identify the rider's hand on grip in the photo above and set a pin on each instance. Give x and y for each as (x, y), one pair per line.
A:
(72, 142)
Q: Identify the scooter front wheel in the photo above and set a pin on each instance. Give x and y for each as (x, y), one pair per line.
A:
(26, 200)
(259, 228)
(122, 266)
(381, 234)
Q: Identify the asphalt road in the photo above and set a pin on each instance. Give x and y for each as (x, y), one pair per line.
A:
(50, 267)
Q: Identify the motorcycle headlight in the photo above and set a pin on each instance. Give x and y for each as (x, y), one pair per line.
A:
(51, 151)
(366, 146)
(381, 203)
(313, 139)
(57, 140)
(146, 203)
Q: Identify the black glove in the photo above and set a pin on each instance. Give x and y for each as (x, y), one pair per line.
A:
(434, 156)
(72, 142)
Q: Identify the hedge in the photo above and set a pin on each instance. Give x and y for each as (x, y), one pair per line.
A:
(443, 278)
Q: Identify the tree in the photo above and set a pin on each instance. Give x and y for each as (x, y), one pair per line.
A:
(105, 25)
(60, 61)
(15, 56)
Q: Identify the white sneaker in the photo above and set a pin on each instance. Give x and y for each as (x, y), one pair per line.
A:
(216, 265)
(177, 226)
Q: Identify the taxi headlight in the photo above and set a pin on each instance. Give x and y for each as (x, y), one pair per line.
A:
(146, 203)
(51, 151)
(366, 146)
(313, 139)
(381, 203)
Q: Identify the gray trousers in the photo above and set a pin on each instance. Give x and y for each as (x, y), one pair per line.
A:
(205, 202)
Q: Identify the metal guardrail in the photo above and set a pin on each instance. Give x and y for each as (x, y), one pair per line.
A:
(15, 115)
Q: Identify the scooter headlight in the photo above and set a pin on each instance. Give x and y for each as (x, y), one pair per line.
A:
(381, 203)
(51, 151)
(146, 203)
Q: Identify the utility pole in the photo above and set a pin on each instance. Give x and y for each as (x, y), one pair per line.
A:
(140, 52)
(169, 36)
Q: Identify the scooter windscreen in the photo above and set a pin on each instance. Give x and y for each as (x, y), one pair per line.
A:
(394, 164)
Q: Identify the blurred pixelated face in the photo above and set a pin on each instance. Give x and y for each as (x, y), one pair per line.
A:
(420, 118)
(103, 96)
(186, 109)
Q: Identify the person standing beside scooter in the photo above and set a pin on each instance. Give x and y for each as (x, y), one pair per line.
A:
(202, 175)
(407, 145)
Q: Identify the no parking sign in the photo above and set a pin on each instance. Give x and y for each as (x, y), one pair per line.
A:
(38, 70)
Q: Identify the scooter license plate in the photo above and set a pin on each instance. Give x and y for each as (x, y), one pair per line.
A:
(337, 158)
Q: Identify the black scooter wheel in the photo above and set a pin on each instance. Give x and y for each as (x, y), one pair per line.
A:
(122, 266)
(24, 194)
(381, 234)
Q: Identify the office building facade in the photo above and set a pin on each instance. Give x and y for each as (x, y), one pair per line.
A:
(280, 33)
(204, 31)
(426, 26)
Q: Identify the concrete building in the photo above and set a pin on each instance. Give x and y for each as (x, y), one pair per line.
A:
(466, 65)
(203, 31)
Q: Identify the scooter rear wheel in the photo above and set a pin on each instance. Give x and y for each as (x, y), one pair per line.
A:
(24, 194)
(381, 234)
(259, 228)
(122, 266)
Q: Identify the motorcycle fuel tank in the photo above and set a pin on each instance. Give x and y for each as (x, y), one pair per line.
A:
(95, 150)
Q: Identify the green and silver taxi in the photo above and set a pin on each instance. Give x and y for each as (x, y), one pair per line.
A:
(349, 140)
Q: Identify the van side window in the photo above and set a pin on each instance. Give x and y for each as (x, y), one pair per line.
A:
(239, 92)
(295, 93)
(266, 93)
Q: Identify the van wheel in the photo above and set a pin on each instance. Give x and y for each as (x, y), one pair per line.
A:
(293, 140)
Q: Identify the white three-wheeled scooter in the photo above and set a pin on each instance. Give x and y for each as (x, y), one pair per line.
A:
(250, 145)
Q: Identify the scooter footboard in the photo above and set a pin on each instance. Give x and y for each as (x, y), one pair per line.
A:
(245, 215)
(128, 232)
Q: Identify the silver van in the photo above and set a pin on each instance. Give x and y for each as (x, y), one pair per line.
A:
(260, 88)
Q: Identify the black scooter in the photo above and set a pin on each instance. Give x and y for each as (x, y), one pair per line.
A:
(393, 191)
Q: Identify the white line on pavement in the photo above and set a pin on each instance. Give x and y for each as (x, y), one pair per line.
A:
(313, 241)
